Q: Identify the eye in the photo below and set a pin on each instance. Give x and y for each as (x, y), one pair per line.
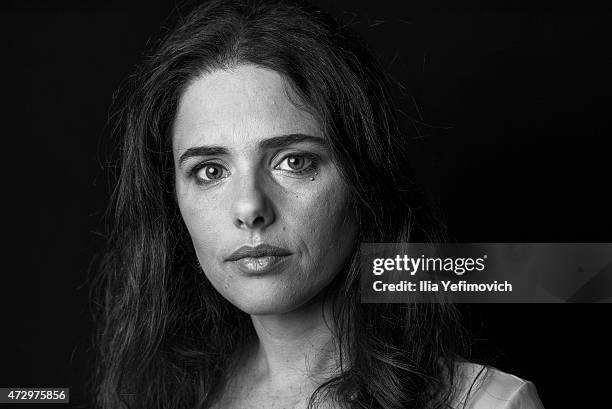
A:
(297, 163)
(210, 172)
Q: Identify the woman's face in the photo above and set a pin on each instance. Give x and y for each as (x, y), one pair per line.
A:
(265, 206)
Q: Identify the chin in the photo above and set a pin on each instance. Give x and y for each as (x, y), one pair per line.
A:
(268, 303)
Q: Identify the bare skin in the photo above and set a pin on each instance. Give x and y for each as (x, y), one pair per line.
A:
(285, 365)
(251, 168)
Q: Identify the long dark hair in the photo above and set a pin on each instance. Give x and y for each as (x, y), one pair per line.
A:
(166, 336)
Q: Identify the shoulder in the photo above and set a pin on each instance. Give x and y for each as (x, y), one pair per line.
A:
(482, 387)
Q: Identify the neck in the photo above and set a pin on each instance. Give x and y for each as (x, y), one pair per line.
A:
(295, 347)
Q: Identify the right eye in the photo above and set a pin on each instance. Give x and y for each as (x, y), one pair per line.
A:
(210, 172)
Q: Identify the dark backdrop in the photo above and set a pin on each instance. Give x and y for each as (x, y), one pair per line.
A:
(512, 103)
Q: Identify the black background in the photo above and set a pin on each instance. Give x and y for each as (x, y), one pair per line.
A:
(513, 103)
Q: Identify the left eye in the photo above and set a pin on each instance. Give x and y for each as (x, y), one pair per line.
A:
(295, 163)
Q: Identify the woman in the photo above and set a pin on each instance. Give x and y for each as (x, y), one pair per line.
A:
(259, 149)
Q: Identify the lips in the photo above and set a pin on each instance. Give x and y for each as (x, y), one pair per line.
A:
(262, 250)
(259, 259)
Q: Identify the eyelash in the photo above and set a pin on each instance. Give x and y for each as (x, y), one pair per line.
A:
(311, 168)
(314, 163)
(197, 168)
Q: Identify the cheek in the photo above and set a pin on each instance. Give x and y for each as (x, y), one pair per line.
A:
(198, 217)
(327, 225)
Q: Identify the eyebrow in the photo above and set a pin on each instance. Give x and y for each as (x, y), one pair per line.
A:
(270, 143)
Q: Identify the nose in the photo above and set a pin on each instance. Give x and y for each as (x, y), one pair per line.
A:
(253, 208)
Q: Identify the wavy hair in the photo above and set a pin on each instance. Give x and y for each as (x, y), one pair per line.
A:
(165, 336)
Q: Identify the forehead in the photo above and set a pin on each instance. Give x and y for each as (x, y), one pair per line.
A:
(239, 106)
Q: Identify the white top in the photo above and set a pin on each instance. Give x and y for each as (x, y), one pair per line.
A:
(493, 389)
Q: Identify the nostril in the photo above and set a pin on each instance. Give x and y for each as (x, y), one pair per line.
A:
(258, 221)
(255, 222)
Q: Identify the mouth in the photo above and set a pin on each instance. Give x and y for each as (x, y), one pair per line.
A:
(259, 259)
